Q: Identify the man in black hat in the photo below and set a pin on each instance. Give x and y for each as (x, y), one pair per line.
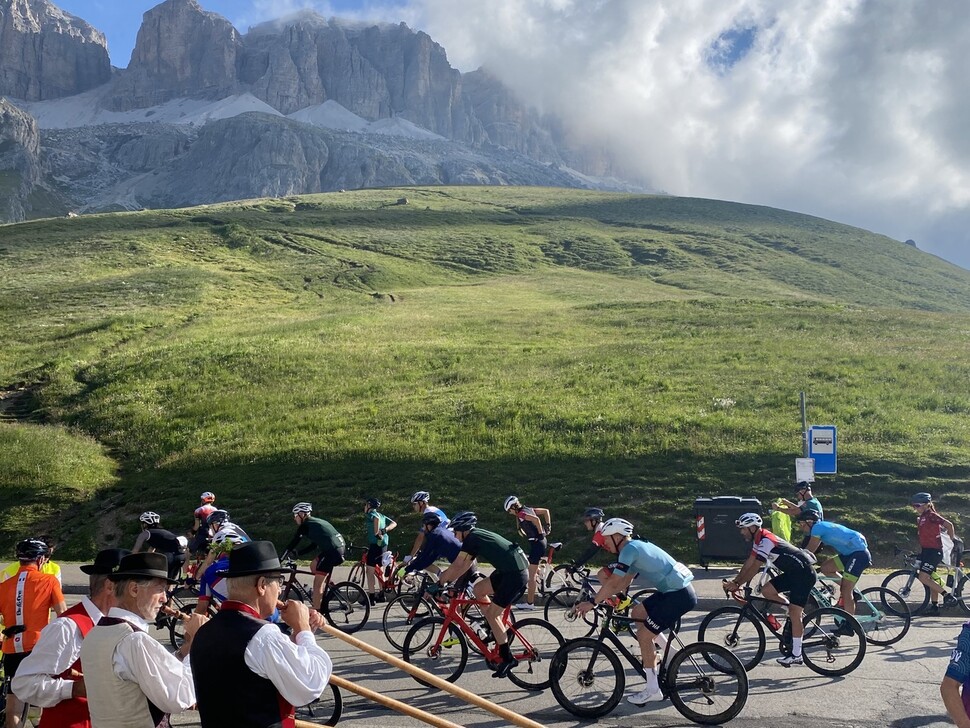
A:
(246, 671)
(51, 676)
(130, 678)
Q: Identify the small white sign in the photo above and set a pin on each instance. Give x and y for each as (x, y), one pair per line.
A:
(804, 470)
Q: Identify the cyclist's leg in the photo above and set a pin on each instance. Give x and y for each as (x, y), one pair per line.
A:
(15, 706)
(852, 567)
(506, 588)
(322, 568)
(374, 559)
(655, 614)
(929, 559)
(831, 567)
(537, 551)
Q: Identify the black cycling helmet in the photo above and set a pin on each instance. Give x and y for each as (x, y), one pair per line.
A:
(217, 516)
(31, 548)
(464, 521)
(431, 518)
(921, 499)
(809, 514)
(802, 485)
(593, 514)
(373, 503)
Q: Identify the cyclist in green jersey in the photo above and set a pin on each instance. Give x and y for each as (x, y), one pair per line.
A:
(378, 526)
(323, 538)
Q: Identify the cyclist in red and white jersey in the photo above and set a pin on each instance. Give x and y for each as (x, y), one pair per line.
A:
(797, 576)
(199, 540)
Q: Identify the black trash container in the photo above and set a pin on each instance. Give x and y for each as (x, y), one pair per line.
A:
(717, 536)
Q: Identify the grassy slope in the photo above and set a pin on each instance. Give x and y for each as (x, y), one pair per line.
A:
(573, 347)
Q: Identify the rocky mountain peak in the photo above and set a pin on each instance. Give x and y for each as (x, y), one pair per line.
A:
(46, 53)
(19, 160)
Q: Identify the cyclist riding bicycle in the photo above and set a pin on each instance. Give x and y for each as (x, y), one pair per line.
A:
(530, 526)
(323, 538)
(199, 533)
(225, 535)
(378, 526)
(930, 525)
(439, 543)
(851, 558)
(506, 584)
(155, 538)
(421, 505)
(592, 519)
(658, 612)
(797, 576)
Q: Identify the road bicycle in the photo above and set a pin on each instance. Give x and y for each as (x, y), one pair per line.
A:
(883, 614)
(386, 576)
(549, 578)
(328, 708)
(906, 583)
(183, 598)
(344, 604)
(439, 644)
(705, 682)
(833, 642)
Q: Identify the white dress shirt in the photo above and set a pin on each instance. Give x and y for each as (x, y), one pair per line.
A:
(300, 670)
(59, 645)
(140, 658)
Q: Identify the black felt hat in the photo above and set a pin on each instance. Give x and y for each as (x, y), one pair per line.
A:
(255, 557)
(150, 565)
(106, 561)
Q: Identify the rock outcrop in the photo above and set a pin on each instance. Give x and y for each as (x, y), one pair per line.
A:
(46, 53)
(19, 161)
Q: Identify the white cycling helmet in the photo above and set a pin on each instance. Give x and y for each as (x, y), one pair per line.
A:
(302, 507)
(748, 519)
(512, 500)
(208, 497)
(617, 526)
(422, 496)
(150, 518)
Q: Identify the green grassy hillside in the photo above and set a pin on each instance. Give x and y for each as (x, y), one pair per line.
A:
(575, 348)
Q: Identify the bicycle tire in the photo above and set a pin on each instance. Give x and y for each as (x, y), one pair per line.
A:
(538, 641)
(421, 649)
(559, 577)
(701, 672)
(577, 668)
(847, 650)
(345, 606)
(357, 574)
(329, 707)
(739, 632)
(558, 612)
(398, 618)
(962, 596)
(892, 622)
(917, 596)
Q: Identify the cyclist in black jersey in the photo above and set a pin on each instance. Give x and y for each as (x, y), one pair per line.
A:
(155, 538)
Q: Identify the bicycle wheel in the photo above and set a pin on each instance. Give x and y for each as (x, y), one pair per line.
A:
(737, 631)
(837, 645)
(176, 627)
(328, 707)
(707, 683)
(357, 574)
(587, 678)
(905, 583)
(346, 607)
(445, 657)
(559, 613)
(533, 643)
(883, 614)
(561, 576)
(400, 614)
(963, 595)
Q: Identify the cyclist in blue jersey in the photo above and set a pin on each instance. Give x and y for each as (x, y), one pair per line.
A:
(421, 505)
(852, 555)
(438, 543)
(674, 596)
(957, 677)
(212, 585)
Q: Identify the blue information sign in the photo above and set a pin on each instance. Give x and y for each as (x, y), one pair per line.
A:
(822, 447)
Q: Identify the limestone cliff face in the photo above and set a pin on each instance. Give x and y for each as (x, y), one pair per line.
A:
(46, 53)
(19, 161)
(181, 50)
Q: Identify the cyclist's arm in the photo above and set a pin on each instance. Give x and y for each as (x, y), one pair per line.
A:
(814, 543)
(140, 542)
(535, 519)
(418, 541)
(544, 513)
(459, 566)
(952, 701)
(589, 553)
(60, 607)
(750, 568)
(390, 525)
(614, 584)
(297, 537)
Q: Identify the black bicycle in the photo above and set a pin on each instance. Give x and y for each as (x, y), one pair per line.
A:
(344, 604)
(705, 682)
(833, 642)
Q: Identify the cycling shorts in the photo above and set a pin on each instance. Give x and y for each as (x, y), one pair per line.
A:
(665, 608)
(797, 581)
(537, 550)
(375, 554)
(508, 586)
(11, 661)
(929, 559)
(852, 565)
(327, 561)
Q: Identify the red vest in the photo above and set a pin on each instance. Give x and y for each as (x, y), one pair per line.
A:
(73, 712)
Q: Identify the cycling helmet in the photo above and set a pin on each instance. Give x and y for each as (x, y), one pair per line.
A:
(802, 485)
(302, 507)
(617, 526)
(31, 548)
(809, 514)
(510, 501)
(593, 514)
(921, 498)
(217, 516)
(422, 496)
(150, 518)
(431, 517)
(748, 519)
(373, 503)
(208, 497)
(464, 521)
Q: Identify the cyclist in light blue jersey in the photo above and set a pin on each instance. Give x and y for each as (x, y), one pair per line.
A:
(674, 597)
(851, 549)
